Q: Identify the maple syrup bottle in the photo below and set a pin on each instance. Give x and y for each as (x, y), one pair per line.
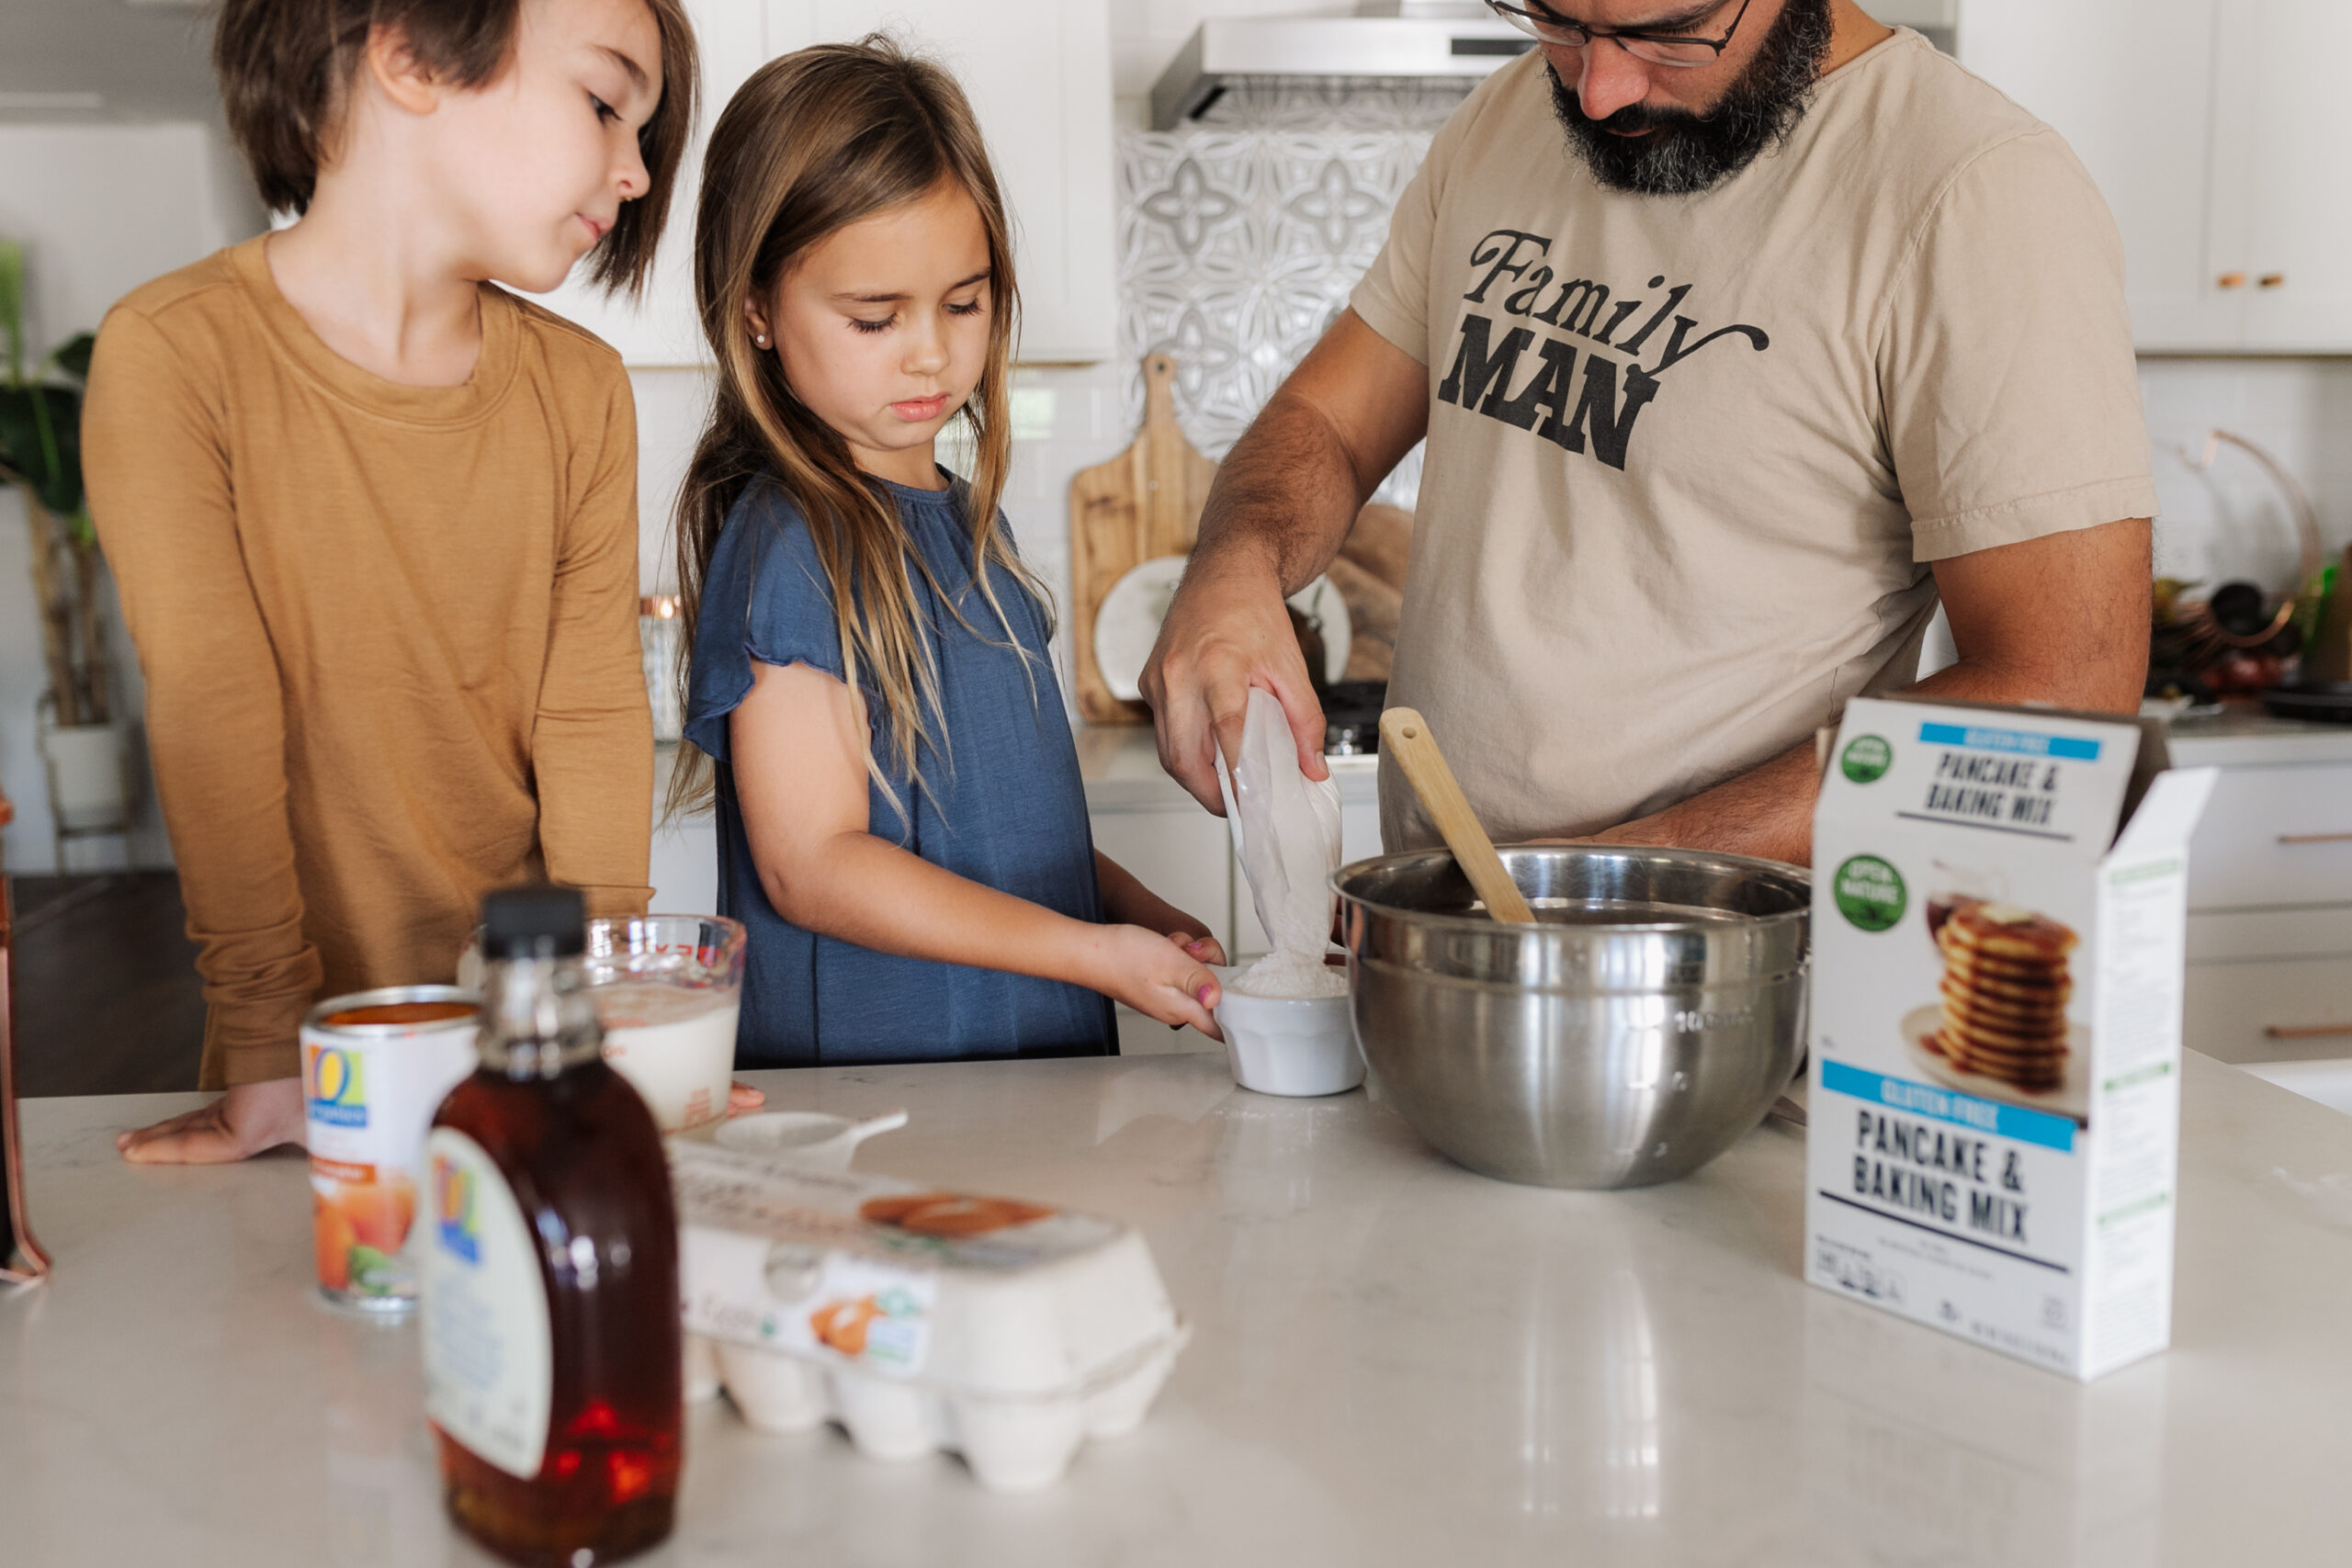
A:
(549, 1275)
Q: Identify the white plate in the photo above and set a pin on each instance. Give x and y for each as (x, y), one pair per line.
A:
(2071, 1097)
(1127, 624)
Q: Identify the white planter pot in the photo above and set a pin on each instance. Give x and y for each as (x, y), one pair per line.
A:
(87, 788)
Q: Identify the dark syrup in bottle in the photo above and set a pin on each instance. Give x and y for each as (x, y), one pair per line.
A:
(552, 1320)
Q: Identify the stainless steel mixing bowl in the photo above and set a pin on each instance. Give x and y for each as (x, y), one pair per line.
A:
(1641, 1027)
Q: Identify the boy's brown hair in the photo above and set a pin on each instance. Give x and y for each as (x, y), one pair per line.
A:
(285, 65)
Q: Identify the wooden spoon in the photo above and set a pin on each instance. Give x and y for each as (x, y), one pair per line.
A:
(1404, 736)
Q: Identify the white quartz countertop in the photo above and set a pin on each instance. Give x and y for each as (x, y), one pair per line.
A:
(2243, 735)
(1394, 1362)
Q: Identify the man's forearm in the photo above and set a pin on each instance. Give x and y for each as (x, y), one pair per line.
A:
(1768, 810)
(1285, 498)
(1282, 506)
(1765, 811)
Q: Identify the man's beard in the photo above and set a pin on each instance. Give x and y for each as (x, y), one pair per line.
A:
(1685, 154)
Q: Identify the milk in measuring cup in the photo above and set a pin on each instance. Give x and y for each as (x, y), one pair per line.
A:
(676, 1044)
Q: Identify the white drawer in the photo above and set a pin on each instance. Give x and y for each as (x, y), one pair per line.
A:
(2276, 1010)
(2273, 836)
(2267, 935)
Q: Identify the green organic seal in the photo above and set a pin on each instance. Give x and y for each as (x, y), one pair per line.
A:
(1867, 759)
(1869, 893)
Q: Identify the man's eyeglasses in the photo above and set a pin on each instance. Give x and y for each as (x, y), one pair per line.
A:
(1547, 26)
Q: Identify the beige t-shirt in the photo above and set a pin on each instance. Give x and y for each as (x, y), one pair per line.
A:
(1688, 458)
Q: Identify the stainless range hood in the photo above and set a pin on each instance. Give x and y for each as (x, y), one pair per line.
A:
(1392, 38)
(1382, 41)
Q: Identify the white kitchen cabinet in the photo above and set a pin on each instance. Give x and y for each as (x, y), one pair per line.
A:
(1038, 74)
(2216, 131)
(2295, 1010)
(685, 862)
(685, 871)
(2275, 835)
(2269, 974)
(2270, 985)
(2282, 200)
(2129, 85)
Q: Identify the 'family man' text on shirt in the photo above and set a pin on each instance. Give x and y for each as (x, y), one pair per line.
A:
(1553, 403)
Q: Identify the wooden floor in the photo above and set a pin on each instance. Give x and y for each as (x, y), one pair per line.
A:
(107, 996)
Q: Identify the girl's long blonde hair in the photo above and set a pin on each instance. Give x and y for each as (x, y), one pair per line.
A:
(814, 142)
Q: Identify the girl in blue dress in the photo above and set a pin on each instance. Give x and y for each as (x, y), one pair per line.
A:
(902, 824)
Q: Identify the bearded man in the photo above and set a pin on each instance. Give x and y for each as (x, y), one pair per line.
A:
(1803, 327)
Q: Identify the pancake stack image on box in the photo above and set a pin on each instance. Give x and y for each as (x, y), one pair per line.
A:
(2005, 991)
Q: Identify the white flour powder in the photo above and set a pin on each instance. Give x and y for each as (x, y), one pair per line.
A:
(1292, 975)
(1287, 831)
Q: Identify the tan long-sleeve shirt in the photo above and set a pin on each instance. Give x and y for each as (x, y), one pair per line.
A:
(388, 634)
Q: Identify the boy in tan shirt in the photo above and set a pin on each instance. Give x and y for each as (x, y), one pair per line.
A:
(374, 520)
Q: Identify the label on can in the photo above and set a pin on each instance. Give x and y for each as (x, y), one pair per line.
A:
(370, 1089)
(489, 1366)
(334, 1083)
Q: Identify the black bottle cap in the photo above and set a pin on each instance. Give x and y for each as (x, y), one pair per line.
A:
(533, 922)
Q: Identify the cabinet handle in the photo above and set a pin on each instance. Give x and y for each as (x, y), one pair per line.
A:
(2272, 280)
(2315, 837)
(2231, 280)
(2307, 1030)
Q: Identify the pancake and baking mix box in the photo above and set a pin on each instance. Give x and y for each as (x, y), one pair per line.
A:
(1999, 906)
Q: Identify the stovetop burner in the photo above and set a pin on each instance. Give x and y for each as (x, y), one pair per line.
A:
(1352, 712)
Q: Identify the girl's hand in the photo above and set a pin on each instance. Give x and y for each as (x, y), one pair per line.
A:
(1164, 978)
(1200, 944)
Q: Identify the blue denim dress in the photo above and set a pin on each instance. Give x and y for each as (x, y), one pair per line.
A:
(1002, 803)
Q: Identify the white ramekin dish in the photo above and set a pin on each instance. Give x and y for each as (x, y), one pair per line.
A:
(1287, 1045)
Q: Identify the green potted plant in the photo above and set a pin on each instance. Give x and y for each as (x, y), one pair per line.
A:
(40, 456)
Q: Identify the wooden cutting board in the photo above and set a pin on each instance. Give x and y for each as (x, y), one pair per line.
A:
(1142, 503)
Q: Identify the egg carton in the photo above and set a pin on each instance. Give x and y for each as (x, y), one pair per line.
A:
(919, 1320)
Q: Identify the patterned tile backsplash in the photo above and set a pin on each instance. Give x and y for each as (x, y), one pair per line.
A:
(1241, 234)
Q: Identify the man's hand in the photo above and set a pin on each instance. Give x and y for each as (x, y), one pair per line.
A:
(1228, 631)
(241, 1124)
(1281, 505)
